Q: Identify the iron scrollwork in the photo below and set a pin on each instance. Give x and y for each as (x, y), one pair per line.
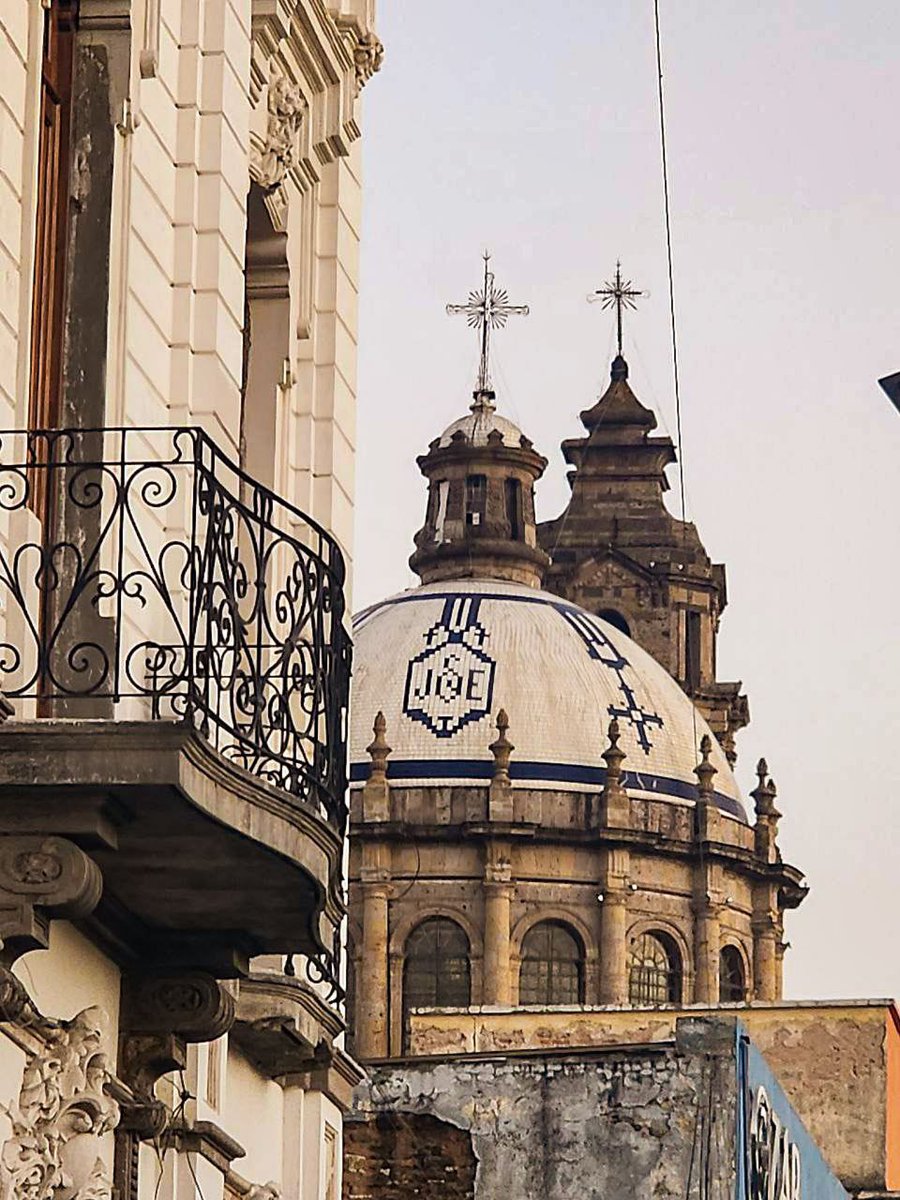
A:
(163, 582)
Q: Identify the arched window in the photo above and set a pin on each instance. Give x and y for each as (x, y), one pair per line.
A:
(436, 970)
(732, 986)
(654, 970)
(476, 499)
(514, 510)
(552, 970)
(611, 617)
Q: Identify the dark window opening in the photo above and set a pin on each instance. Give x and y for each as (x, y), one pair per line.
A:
(732, 987)
(692, 624)
(476, 499)
(654, 970)
(267, 341)
(514, 510)
(552, 970)
(615, 619)
(436, 970)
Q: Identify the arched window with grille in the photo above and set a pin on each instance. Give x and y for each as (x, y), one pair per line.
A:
(436, 969)
(552, 970)
(654, 970)
(732, 985)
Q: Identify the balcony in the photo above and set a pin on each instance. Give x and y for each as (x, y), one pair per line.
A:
(172, 643)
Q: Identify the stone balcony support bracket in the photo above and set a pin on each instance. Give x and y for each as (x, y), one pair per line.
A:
(42, 877)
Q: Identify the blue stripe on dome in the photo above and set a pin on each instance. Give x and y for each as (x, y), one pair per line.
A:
(418, 596)
(544, 772)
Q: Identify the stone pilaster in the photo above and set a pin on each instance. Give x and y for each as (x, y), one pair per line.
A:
(707, 939)
(613, 950)
(615, 813)
(498, 889)
(372, 1015)
(766, 984)
(706, 900)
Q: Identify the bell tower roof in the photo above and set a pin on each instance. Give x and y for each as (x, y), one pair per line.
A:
(618, 410)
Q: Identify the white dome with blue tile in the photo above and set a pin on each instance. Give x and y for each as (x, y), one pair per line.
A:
(440, 661)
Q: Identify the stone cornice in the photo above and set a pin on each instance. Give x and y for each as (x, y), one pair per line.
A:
(787, 878)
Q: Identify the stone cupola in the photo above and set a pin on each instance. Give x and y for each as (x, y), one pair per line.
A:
(479, 522)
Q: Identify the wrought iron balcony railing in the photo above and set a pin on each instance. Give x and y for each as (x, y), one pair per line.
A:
(163, 582)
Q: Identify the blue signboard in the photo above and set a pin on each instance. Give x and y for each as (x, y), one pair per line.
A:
(777, 1159)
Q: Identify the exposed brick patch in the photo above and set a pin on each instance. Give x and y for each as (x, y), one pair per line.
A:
(407, 1156)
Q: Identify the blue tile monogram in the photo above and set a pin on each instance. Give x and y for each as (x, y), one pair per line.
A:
(450, 683)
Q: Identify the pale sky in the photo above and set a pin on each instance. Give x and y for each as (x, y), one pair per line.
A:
(531, 128)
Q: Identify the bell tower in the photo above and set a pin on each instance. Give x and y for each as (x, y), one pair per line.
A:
(618, 551)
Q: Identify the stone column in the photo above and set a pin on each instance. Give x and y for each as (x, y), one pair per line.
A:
(615, 814)
(765, 956)
(706, 950)
(497, 896)
(707, 881)
(613, 951)
(372, 977)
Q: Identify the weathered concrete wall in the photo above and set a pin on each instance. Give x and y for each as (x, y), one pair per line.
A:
(831, 1059)
(602, 1124)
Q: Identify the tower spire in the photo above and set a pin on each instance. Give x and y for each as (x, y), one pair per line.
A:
(620, 294)
(485, 311)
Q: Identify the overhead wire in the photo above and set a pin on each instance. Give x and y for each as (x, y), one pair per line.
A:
(669, 264)
(667, 211)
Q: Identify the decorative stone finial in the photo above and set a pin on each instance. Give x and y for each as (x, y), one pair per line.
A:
(613, 756)
(764, 793)
(615, 806)
(378, 749)
(501, 749)
(704, 770)
(618, 372)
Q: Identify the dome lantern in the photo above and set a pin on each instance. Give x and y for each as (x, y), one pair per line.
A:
(479, 521)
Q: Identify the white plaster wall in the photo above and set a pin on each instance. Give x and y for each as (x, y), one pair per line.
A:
(252, 1112)
(70, 976)
(185, 224)
(323, 428)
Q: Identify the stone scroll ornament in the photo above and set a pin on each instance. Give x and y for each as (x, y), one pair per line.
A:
(63, 1112)
(278, 153)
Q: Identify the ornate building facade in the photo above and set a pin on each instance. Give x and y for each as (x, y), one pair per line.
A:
(180, 198)
(541, 813)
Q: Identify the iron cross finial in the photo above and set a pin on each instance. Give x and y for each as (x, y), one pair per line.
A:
(486, 310)
(619, 294)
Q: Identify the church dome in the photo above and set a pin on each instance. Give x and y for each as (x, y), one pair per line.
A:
(479, 423)
(440, 660)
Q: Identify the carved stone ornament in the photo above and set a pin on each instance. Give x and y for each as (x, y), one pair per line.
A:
(42, 873)
(63, 1112)
(278, 154)
(191, 1004)
(368, 56)
(263, 1191)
